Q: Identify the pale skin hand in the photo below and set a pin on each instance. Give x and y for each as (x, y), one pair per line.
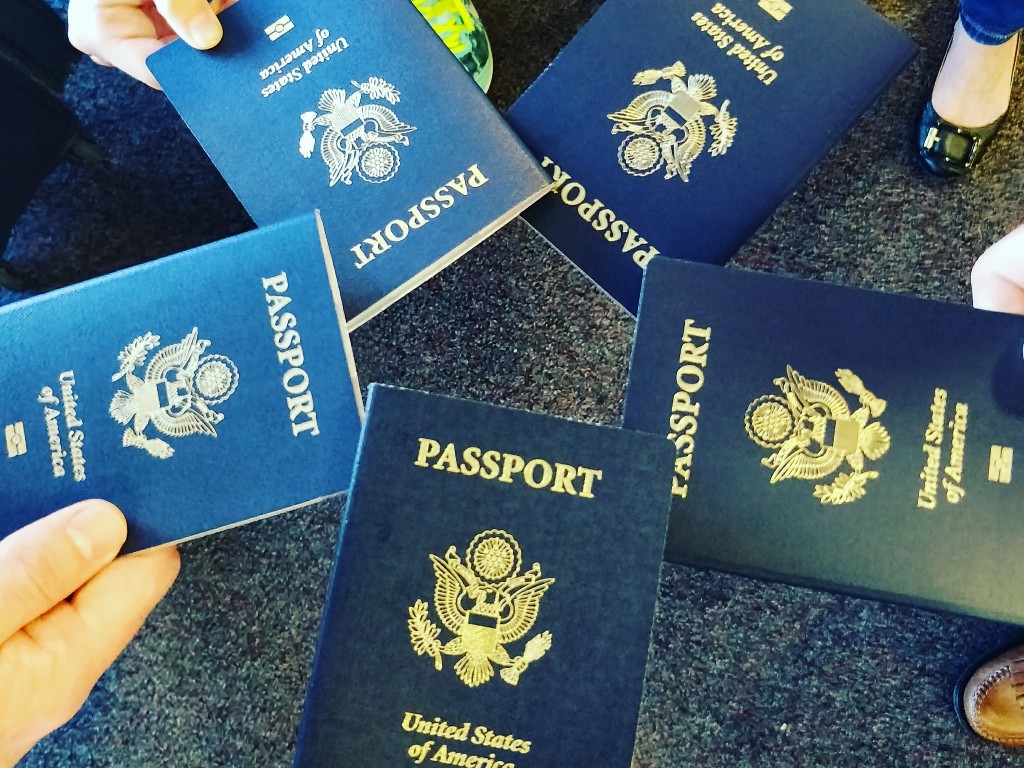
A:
(123, 33)
(67, 609)
(997, 280)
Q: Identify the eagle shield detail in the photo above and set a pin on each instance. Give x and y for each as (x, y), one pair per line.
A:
(179, 388)
(666, 129)
(359, 138)
(486, 604)
(812, 433)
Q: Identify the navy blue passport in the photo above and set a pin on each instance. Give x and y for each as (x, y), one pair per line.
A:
(836, 437)
(357, 109)
(493, 591)
(196, 392)
(676, 127)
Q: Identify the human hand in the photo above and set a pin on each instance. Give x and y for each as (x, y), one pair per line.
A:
(997, 279)
(122, 33)
(67, 609)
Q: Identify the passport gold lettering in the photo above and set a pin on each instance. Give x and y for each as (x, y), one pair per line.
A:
(436, 752)
(539, 474)
(730, 20)
(289, 77)
(722, 38)
(486, 737)
(295, 380)
(693, 359)
(57, 452)
(954, 472)
(415, 723)
(300, 61)
(76, 438)
(575, 191)
(283, 63)
(68, 400)
(325, 53)
(753, 53)
(445, 756)
(927, 495)
(46, 396)
(600, 217)
(933, 434)
(427, 209)
(753, 63)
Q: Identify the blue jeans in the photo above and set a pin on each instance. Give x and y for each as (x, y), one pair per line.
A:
(991, 22)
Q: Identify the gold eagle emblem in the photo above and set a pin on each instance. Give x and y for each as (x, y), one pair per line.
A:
(666, 128)
(486, 604)
(812, 432)
(176, 395)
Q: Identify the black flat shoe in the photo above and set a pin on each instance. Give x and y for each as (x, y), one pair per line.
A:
(946, 149)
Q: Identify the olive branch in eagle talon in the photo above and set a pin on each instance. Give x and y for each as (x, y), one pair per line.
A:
(486, 604)
(134, 355)
(379, 88)
(424, 633)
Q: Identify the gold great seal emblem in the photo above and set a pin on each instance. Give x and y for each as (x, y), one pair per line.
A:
(666, 128)
(486, 604)
(812, 432)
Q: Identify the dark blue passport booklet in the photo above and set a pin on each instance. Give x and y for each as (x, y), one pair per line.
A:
(865, 442)
(676, 127)
(196, 392)
(357, 109)
(493, 591)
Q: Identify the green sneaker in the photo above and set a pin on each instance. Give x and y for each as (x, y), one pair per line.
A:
(458, 24)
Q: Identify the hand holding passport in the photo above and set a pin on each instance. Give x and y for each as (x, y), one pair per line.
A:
(69, 608)
(124, 34)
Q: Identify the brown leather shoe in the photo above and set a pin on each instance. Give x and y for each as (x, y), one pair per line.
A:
(993, 698)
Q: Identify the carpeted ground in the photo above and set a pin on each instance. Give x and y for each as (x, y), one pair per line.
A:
(741, 672)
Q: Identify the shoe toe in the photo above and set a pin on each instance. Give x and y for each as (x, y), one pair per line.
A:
(947, 149)
(993, 699)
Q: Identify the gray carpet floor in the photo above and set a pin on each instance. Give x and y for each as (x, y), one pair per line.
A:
(741, 672)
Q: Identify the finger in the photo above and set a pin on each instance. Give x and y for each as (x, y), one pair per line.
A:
(43, 563)
(130, 56)
(997, 278)
(115, 603)
(194, 21)
(101, 61)
(120, 36)
(86, 634)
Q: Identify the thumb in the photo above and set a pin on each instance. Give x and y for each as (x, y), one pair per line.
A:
(194, 21)
(42, 564)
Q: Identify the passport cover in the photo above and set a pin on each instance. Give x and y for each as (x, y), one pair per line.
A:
(196, 392)
(493, 591)
(676, 127)
(357, 109)
(836, 437)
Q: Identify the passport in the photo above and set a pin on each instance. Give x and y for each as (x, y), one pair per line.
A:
(358, 110)
(195, 392)
(676, 127)
(836, 437)
(492, 593)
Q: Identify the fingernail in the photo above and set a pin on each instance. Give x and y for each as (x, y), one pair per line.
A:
(97, 530)
(206, 30)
